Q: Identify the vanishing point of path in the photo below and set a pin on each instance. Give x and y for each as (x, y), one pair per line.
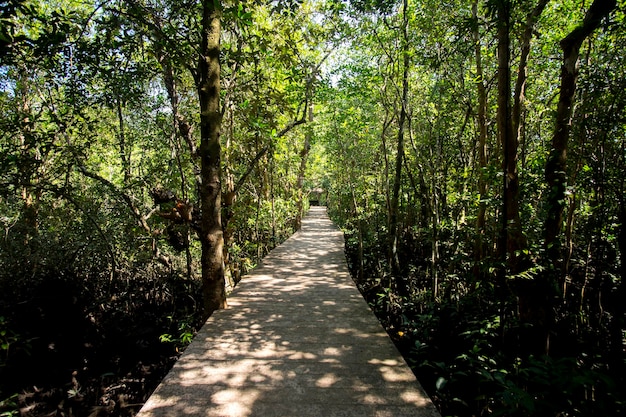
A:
(297, 340)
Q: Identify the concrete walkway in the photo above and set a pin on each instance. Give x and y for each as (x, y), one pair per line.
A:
(297, 340)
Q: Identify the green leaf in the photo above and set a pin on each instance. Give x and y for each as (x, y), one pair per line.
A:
(166, 338)
(441, 383)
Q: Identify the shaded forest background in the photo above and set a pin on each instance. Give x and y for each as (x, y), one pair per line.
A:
(472, 151)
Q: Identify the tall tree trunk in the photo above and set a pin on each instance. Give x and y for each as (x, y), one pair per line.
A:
(555, 173)
(556, 166)
(618, 322)
(30, 161)
(385, 178)
(479, 246)
(522, 72)
(180, 129)
(211, 235)
(395, 199)
(434, 239)
(304, 156)
(532, 301)
(125, 152)
(360, 248)
(511, 239)
(516, 121)
(30, 212)
(510, 223)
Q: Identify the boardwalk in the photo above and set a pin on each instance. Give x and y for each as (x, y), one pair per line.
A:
(297, 340)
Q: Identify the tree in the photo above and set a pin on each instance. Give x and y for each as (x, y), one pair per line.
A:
(402, 120)
(481, 119)
(208, 84)
(556, 166)
(512, 240)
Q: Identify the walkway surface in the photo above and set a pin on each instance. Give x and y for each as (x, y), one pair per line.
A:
(298, 340)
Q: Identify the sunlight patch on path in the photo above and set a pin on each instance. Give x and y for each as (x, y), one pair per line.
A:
(297, 340)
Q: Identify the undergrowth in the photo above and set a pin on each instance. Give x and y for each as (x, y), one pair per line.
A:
(88, 346)
(465, 350)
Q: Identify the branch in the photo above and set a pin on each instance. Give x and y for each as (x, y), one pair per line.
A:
(129, 202)
(65, 193)
(251, 166)
(307, 95)
(520, 84)
(292, 124)
(597, 11)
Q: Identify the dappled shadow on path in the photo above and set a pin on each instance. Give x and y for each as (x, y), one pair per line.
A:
(297, 340)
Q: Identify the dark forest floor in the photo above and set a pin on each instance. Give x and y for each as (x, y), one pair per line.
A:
(72, 349)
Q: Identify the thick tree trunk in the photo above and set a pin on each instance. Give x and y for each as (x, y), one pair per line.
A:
(211, 235)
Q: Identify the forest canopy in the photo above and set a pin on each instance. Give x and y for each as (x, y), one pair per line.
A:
(473, 152)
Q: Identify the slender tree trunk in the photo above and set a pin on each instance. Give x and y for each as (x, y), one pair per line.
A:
(531, 294)
(386, 123)
(395, 199)
(258, 237)
(570, 222)
(479, 248)
(304, 156)
(359, 224)
(30, 213)
(618, 322)
(522, 73)
(503, 121)
(124, 148)
(211, 235)
(182, 132)
(511, 240)
(272, 197)
(31, 156)
(517, 127)
(510, 223)
(434, 249)
(180, 128)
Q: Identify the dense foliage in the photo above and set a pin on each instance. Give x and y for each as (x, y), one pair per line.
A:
(489, 239)
(99, 185)
(497, 316)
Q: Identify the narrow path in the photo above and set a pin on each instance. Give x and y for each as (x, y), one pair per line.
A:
(297, 340)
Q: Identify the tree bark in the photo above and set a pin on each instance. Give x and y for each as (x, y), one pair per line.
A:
(395, 199)
(479, 246)
(125, 153)
(522, 73)
(539, 303)
(304, 156)
(555, 173)
(532, 305)
(511, 238)
(618, 322)
(211, 235)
